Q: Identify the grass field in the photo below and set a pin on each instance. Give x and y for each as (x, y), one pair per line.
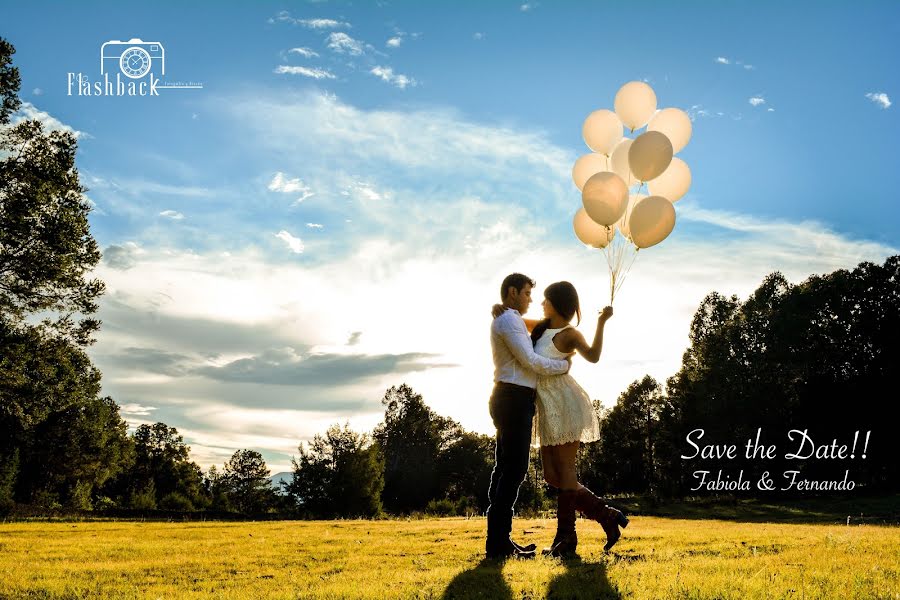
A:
(442, 558)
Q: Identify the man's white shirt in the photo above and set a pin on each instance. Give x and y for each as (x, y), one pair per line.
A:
(514, 358)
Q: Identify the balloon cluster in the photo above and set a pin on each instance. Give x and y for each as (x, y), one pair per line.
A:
(612, 177)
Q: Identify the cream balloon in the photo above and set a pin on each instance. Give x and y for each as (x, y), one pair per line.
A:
(618, 162)
(601, 131)
(651, 221)
(673, 183)
(676, 126)
(587, 165)
(589, 232)
(649, 155)
(605, 197)
(635, 103)
(622, 223)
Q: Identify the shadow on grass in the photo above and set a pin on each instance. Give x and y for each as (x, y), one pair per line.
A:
(484, 580)
(582, 580)
(880, 510)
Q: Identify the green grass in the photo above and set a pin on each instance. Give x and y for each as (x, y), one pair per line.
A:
(442, 558)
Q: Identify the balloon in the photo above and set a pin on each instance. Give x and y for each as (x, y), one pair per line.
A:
(675, 124)
(604, 197)
(622, 223)
(635, 104)
(673, 183)
(649, 155)
(619, 162)
(587, 165)
(589, 232)
(651, 221)
(601, 131)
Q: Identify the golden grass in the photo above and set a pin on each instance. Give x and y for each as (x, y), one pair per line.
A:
(442, 558)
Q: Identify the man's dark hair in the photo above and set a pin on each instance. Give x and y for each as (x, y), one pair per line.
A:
(516, 280)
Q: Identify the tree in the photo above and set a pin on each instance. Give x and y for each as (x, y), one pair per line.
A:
(624, 457)
(247, 478)
(46, 246)
(340, 475)
(59, 440)
(815, 356)
(162, 458)
(464, 469)
(9, 82)
(411, 437)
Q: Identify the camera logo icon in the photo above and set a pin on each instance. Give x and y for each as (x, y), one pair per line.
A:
(134, 57)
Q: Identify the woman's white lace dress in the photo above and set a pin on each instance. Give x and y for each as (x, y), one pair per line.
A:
(563, 409)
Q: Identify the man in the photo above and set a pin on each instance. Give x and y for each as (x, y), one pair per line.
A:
(516, 367)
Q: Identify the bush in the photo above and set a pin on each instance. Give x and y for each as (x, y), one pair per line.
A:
(144, 499)
(176, 501)
(80, 496)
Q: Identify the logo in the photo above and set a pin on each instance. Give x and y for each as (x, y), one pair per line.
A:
(141, 63)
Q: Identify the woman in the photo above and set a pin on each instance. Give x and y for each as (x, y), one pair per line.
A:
(565, 418)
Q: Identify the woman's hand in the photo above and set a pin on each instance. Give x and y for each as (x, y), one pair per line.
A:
(497, 310)
(605, 314)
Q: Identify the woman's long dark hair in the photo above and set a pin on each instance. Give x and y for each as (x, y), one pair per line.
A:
(564, 298)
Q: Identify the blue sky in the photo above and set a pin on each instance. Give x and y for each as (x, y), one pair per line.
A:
(279, 248)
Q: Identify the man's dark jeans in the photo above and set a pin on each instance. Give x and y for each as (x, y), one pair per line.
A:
(512, 410)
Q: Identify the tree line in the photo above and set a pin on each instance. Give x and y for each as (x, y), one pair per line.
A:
(815, 356)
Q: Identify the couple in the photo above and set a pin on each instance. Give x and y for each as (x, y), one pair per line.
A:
(532, 384)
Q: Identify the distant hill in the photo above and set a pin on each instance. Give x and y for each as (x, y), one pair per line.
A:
(277, 478)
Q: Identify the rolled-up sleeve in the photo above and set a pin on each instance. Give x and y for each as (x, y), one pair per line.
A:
(516, 338)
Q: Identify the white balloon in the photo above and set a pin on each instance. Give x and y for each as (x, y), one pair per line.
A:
(601, 131)
(587, 165)
(605, 197)
(635, 103)
(619, 162)
(651, 221)
(589, 232)
(649, 155)
(675, 124)
(674, 182)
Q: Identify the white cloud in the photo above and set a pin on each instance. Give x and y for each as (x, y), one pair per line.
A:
(314, 73)
(172, 214)
(365, 192)
(136, 409)
(387, 74)
(294, 243)
(281, 183)
(323, 23)
(37, 91)
(28, 111)
(528, 6)
(306, 52)
(394, 42)
(342, 43)
(314, 225)
(723, 61)
(478, 35)
(770, 110)
(757, 100)
(285, 17)
(749, 67)
(879, 98)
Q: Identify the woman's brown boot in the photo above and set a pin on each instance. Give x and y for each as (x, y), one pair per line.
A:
(566, 541)
(596, 509)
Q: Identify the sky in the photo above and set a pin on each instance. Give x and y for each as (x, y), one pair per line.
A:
(330, 210)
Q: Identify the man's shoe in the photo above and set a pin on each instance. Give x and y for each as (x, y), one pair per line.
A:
(521, 548)
(507, 549)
